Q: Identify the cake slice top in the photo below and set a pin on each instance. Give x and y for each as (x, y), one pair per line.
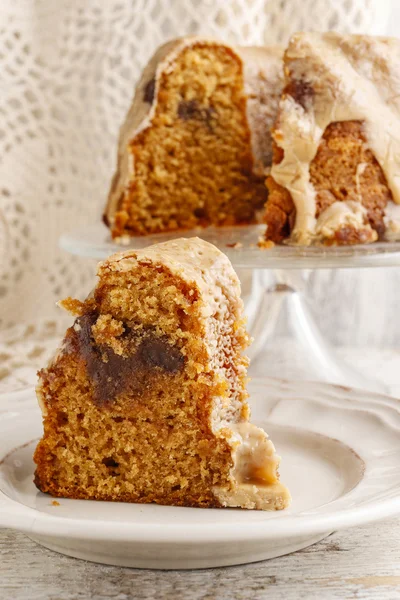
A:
(331, 78)
(193, 260)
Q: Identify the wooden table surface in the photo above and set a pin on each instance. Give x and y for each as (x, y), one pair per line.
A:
(359, 563)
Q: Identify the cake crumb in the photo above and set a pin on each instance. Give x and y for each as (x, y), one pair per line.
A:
(235, 245)
(71, 305)
(55, 503)
(265, 244)
(107, 330)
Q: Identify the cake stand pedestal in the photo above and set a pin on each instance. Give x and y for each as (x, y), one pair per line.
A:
(280, 319)
(287, 342)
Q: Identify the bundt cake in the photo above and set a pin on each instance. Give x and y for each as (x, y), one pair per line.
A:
(196, 142)
(146, 399)
(335, 178)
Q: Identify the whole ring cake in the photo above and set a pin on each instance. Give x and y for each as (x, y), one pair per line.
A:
(196, 146)
(146, 399)
(196, 142)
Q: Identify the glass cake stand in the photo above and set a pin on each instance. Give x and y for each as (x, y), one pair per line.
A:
(287, 341)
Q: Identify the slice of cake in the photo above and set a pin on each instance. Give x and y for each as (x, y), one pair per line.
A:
(335, 178)
(145, 401)
(196, 141)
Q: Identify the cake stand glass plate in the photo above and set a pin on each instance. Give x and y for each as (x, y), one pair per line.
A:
(340, 453)
(240, 245)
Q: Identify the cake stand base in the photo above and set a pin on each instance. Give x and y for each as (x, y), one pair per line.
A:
(287, 342)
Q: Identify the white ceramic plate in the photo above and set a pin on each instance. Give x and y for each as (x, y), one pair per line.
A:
(340, 453)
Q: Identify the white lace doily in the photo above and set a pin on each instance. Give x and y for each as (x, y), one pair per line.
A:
(67, 73)
(26, 348)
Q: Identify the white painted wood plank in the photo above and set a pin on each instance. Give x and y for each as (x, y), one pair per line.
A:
(361, 563)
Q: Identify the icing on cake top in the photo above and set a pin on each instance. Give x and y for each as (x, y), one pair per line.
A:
(336, 78)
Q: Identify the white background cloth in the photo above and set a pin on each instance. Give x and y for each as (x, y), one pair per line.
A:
(67, 75)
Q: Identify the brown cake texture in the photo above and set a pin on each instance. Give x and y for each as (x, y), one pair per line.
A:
(196, 143)
(145, 401)
(336, 166)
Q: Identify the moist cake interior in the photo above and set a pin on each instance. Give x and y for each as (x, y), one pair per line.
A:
(193, 165)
